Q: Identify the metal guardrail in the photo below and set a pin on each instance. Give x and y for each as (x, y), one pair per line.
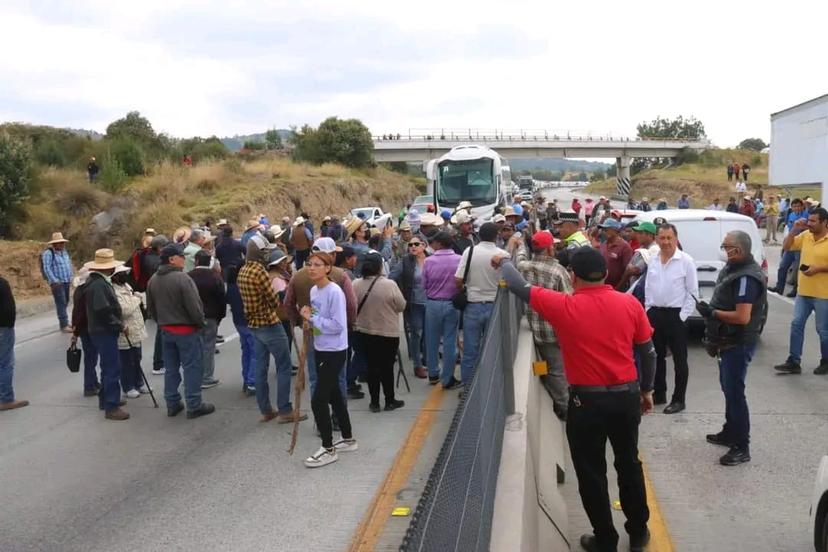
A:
(456, 508)
(498, 135)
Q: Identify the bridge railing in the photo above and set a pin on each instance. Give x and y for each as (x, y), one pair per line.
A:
(499, 135)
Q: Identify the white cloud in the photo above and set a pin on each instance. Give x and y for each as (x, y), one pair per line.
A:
(218, 67)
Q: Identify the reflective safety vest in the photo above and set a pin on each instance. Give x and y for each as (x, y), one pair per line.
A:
(577, 239)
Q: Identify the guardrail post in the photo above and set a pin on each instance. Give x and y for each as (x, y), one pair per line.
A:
(507, 356)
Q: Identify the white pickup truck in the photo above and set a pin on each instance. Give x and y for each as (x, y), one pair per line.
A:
(373, 216)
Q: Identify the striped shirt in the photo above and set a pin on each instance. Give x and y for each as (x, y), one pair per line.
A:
(258, 297)
(545, 272)
(57, 265)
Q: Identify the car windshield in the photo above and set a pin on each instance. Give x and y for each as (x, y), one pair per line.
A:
(422, 199)
(471, 181)
(367, 212)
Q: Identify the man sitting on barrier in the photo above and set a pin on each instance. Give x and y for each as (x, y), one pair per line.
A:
(606, 399)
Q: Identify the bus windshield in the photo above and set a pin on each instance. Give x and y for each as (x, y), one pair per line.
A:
(471, 181)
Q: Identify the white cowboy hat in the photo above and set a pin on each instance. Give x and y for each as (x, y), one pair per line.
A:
(461, 217)
(299, 220)
(104, 260)
(277, 231)
(430, 219)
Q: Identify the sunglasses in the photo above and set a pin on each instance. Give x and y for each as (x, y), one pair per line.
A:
(414, 244)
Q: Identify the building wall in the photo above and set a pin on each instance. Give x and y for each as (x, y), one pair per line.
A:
(799, 145)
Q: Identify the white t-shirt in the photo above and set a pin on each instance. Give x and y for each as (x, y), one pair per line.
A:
(740, 187)
(483, 279)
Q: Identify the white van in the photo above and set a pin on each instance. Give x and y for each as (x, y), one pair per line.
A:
(700, 233)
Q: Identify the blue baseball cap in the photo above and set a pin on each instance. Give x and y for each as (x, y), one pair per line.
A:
(445, 214)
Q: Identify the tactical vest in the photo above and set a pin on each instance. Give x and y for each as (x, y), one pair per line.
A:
(724, 298)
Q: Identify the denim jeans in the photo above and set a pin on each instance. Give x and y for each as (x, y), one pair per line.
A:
(208, 343)
(182, 353)
(248, 358)
(60, 293)
(6, 364)
(803, 306)
(158, 351)
(131, 369)
(441, 325)
(301, 257)
(475, 319)
(356, 359)
(271, 340)
(788, 258)
(90, 361)
(414, 320)
(733, 365)
(107, 346)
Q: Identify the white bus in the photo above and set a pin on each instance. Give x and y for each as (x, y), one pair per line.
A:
(469, 173)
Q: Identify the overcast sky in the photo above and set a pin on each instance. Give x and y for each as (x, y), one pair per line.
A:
(202, 68)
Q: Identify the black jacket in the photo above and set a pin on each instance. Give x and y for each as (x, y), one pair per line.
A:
(103, 313)
(211, 290)
(8, 310)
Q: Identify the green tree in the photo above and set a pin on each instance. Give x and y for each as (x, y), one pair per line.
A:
(112, 177)
(344, 141)
(678, 128)
(273, 139)
(138, 129)
(254, 145)
(753, 144)
(15, 175)
(129, 155)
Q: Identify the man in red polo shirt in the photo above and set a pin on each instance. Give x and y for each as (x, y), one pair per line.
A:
(606, 397)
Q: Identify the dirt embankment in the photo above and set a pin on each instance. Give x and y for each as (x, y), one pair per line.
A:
(174, 196)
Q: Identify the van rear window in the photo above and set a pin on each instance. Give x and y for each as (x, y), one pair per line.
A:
(701, 238)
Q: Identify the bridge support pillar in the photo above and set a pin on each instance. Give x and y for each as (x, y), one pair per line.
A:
(622, 176)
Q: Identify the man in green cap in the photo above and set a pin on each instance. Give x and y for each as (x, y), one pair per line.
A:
(645, 235)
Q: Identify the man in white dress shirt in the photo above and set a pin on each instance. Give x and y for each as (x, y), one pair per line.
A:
(670, 289)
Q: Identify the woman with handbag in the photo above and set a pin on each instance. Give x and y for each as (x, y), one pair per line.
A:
(409, 277)
(132, 336)
(380, 303)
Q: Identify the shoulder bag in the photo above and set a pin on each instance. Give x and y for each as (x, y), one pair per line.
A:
(460, 299)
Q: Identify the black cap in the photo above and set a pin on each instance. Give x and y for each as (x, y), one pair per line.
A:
(588, 264)
(347, 251)
(171, 250)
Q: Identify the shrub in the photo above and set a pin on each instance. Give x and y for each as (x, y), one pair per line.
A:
(15, 176)
(233, 166)
(129, 156)
(112, 177)
(79, 200)
(687, 155)
(347, 142)
(49, 152)
(254, 145)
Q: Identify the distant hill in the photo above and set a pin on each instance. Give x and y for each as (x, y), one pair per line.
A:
(557, 164)
(235, 143)
(95, 135)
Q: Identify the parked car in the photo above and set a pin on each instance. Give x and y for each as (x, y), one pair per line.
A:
(373, 216)
(700, 234)
(819, 507)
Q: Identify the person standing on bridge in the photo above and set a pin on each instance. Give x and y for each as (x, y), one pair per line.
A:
(812, 290)
(733, 320)
(606, 395)
(8, 315)
(669, 297)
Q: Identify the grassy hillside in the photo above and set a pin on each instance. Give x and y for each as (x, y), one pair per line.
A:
(702, 180)
(175, 195)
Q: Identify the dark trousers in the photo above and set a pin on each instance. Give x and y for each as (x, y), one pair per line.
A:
(158, 351)
(788, 258)
(131, 369)
(328, 366)
(356, 358)
(592, 419)
(90, 362)
(380, 353)
(300, 258)
(733, 365)
(107, 346)
(671, 332)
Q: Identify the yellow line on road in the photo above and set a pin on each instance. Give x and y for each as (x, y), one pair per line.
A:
(370, 528)
(660, 540)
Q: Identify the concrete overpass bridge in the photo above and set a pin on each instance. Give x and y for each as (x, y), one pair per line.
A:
(426, 144)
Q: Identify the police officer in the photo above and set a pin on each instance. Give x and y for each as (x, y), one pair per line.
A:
(606, 398)
(732, 322)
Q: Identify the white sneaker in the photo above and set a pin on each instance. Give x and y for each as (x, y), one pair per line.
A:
(321, 457)
(346, 445)
(133, 394)
(160, 372)
(144, 390)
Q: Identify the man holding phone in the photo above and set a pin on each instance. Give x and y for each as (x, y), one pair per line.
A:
(812, 293)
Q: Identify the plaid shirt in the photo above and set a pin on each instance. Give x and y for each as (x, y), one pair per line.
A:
(258, 297)
(546, 272)
(57, 266)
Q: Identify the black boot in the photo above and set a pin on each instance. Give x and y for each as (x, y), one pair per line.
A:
(822, 369)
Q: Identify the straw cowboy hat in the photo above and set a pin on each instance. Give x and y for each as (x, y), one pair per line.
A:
(182, 234)
(150, 231)
(57, 237)
(299, 221)
(463, 205)
(222, 222)
(277, 231)
(353, 225)
(462, 217)
(430, 219)
(104, 260)
(251, 224)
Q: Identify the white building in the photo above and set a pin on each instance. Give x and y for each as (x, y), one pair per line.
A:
(799, 145)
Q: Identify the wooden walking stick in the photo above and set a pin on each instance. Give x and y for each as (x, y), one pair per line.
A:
(299, 384)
